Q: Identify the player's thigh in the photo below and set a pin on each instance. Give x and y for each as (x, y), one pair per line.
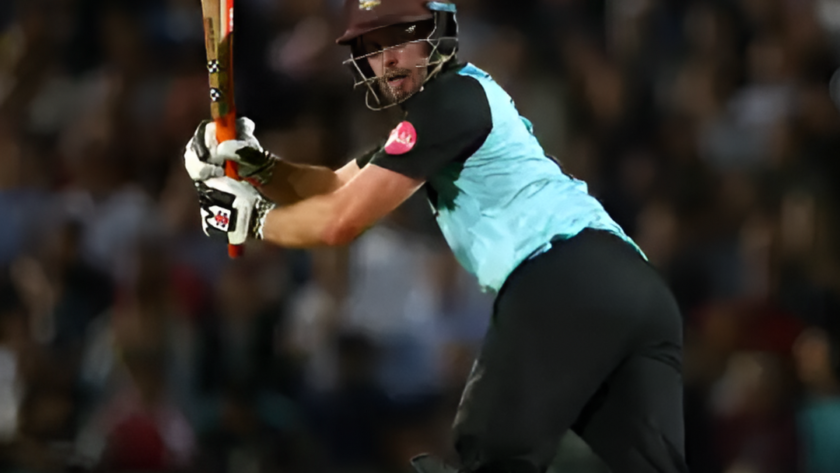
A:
(516, 405)
(542, 359)
(635, 422)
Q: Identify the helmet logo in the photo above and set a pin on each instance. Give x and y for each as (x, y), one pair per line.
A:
(369, 5)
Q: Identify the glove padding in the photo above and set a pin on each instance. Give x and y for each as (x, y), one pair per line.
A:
(204, 158)
(231, 209)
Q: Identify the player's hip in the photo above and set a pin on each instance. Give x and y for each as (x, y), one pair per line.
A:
(593, 279)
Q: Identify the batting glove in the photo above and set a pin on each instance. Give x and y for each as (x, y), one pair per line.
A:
(197, 157)
(232, 209)
(204, 158)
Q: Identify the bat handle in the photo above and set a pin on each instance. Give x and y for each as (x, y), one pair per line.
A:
(234, 251)
(225, 131)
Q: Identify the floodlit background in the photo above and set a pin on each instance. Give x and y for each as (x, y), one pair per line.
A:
(129, 342)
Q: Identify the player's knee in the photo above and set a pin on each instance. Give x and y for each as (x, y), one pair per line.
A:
(650, 453)
(429, 464)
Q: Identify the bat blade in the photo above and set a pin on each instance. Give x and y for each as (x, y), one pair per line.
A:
(218, 35)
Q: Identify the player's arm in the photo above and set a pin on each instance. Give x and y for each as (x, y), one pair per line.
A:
(235, 210)
(291, 183)
(444, 125)
(348, 172)
(339, 217)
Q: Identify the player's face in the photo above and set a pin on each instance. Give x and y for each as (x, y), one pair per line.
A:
(398, 59)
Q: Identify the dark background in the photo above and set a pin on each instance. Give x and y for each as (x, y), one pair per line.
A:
(129, 342)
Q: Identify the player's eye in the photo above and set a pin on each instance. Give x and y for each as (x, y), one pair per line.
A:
(372, 48)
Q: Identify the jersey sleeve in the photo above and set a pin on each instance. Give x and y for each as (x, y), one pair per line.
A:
(447, 122)
(364, 159)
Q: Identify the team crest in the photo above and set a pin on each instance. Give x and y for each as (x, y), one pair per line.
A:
(369, 4)
(402, 139)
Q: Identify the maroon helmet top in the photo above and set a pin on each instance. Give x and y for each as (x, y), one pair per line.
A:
(364, 16)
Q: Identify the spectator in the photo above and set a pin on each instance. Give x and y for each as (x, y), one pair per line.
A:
(815, 355)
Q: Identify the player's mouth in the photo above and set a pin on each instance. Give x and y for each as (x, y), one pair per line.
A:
(396, 80)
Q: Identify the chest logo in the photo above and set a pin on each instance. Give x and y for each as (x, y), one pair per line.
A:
(402, 139)
(369, 4)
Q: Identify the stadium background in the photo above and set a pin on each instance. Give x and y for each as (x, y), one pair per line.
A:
(129, 342)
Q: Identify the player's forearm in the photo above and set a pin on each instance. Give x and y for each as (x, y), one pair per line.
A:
(339, 217)
(291, 183)
(314, 222)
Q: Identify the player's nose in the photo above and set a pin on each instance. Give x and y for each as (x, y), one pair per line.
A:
(391, 58)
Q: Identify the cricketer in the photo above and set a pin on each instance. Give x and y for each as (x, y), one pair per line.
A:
(585, 335)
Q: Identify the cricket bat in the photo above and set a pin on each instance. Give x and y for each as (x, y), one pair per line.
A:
(218, 36)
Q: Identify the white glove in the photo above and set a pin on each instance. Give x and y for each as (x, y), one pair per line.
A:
(232, 209)
(197, 156)
(204, 158)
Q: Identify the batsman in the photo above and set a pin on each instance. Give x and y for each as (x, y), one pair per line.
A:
(585, 335)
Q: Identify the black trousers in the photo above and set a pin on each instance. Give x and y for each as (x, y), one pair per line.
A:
(585, 337)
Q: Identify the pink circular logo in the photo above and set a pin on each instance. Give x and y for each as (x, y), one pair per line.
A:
(402, 139)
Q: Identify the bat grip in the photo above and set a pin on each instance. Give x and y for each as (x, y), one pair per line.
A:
(225, 131)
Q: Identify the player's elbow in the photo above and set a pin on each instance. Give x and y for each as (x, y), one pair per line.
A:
(341, 232)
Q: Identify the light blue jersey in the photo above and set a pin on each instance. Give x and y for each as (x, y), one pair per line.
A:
(511, 199)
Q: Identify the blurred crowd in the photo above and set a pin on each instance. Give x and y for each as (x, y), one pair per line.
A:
(130, 342)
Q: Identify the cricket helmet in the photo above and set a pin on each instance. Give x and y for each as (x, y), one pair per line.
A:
(365, 16)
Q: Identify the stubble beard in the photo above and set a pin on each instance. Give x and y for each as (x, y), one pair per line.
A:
(411, 85)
